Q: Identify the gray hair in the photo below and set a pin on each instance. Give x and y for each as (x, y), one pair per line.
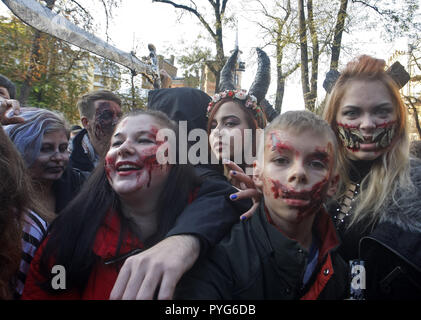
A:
(28, 136)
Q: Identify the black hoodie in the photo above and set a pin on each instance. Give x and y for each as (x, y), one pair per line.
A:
(181, 104)
(212, 213)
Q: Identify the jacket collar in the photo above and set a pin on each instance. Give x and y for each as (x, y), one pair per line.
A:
(277, 241)
(107, 237)
(78, 157)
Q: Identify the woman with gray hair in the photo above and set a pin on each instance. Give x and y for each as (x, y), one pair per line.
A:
(42, 141)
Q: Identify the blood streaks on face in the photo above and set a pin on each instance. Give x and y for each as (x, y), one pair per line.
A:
(279, 146)
(109, 165)
(315, 195)
(107, 115)
(138, 151)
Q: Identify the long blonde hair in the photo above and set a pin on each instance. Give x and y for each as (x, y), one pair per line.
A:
(390, 171)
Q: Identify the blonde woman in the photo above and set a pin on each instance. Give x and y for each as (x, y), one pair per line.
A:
(378, 211)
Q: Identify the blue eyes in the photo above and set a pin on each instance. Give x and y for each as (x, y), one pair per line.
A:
(315, 164)
(350, 113)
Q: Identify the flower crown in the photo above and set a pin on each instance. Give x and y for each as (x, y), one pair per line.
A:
(249, 101)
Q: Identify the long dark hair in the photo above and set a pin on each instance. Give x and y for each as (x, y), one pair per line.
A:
(72, 234)
(16, 196)
(13, 198)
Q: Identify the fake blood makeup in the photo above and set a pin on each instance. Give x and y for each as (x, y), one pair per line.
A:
(293, 190)
(353, 138)
(107, 114)
(133, 154)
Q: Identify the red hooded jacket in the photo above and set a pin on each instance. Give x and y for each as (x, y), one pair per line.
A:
(102, 277)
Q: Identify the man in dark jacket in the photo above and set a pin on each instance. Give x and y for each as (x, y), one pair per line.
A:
(287, 249)
(99, 112)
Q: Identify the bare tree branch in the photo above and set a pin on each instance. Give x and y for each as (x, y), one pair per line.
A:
(82, 8)
(193, 11)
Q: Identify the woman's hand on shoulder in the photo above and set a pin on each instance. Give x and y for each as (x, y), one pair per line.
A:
(246, 187)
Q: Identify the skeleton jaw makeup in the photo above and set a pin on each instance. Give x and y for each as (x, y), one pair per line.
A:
(381, 138)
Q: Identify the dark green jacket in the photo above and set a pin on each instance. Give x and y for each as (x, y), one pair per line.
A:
(257, 261)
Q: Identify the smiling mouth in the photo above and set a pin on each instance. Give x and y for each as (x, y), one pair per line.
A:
(128, 168)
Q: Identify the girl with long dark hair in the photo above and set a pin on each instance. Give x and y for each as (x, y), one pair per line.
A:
(128, 204)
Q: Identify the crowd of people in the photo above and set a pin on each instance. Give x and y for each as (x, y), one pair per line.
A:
(284, 207)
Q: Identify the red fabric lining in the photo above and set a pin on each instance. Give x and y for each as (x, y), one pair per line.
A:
(326, 272)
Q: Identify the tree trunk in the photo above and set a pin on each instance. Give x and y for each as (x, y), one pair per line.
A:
(337, 38)
(280, 83)
(304, 55)
(315, 59)
(220, 59)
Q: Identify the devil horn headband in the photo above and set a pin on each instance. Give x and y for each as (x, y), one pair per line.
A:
(261, 82)
(396, 71)
(227, 73)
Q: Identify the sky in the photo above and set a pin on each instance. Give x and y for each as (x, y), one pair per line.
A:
(158, 23)
(139, 22)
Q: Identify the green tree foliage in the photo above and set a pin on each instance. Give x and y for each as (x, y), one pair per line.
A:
(193, 63)
(57, 81)
(50, 73)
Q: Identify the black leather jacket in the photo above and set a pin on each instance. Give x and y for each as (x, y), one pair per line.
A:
(256, 261)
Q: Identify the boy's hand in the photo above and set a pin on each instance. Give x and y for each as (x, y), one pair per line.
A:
(246, 186)
(5, 105)
(158, 267)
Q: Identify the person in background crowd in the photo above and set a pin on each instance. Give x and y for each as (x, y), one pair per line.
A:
(188, 105)
(287, 249)
(378, 213)
(74, 130)
(99, 112)
(42, 141)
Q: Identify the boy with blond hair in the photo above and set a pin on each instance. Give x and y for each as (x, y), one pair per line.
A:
(286, 250)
